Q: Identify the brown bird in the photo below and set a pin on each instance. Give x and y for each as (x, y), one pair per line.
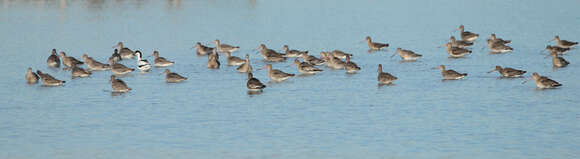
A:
(375, 45)
(385, 77)
(31, 77)
(48, 80)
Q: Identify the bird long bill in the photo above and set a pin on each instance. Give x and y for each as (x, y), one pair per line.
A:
(527, 80)
(490, 71)
(546, 57)
(261, 68)
(393, 54)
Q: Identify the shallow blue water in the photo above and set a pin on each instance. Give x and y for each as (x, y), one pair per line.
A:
(330, 115)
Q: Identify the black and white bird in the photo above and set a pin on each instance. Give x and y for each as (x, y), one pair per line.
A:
(142, 64)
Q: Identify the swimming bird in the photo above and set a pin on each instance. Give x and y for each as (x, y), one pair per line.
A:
(407, 55)
(53, 60)
(142, 64)
(234, 60)
(254, 84)
(456, 51)
(459, 43)
(93, 64)
(385, 77)
(292, 53)
(225, 47)
(203, 50)
(172, 77)
(277, 75)
(543, 82)
(451, 74)
(508, 72)
(466, 35)
(119, 69)
(312, 60)
(564, 43)
(340, 54)
(31, 77)
(116, 57)
(558, 61)
(332, 61)
(213, 60)
(118, 85)
(48, 80)
(69, 61)
(499, 40)
(375, 45)
(80, 72)
(160, 61)
(305, 68)
(350, 66)
(496, 47)
(246, 67)
(125, 53)
(271, 55)
(557, 49)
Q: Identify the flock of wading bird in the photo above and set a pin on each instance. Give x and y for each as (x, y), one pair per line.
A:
(455, 48)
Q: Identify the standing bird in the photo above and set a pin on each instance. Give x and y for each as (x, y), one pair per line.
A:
(564, 43)
(312, 60)
(118, 85)
(557, 49)
(466, 35)
(172, 77)
(558, 61)
(499, 40)
(456, 51)
(459, 43)
(271, 55)
(305, 68)
(119, 69)
(332, 61)
(80, 72)
(340, 54)
(277, 75)
(69, 61)
(125, 53)
(93, 64)
(160, 61)
(497, 47)
(225, 47)
(213, 60)
(385, 77)
(203, 50)
(234, 60)
(375, 45)
(48, 80)
(31, 77)
(350, 66)
(246, 67)
(543, 81)
(142, 64)
(116, 57)
(508, 72)
(292, 53)
(407, 55)
(254, 84)
(451, 74)
(53, 60)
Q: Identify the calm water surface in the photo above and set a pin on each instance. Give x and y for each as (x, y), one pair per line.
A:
(330, 115)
